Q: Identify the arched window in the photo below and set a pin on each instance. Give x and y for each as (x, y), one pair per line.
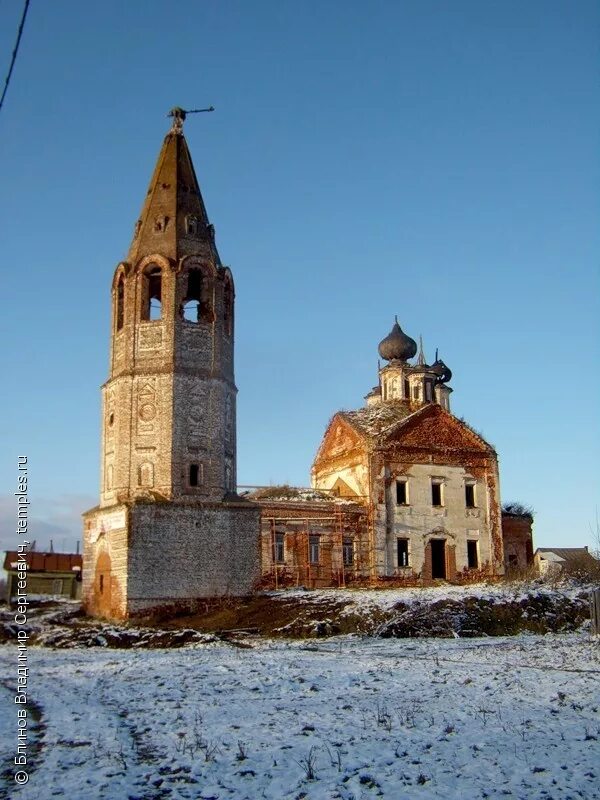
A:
(197, 306)
(191, 224)
(120, 302)
(152, 293)
(228, 307)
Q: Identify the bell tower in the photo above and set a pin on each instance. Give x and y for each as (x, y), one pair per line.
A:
(168, 447)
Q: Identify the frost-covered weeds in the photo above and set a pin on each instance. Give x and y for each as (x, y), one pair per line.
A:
(340, 718)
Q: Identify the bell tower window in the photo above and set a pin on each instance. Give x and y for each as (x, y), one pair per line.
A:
(152, 294)
(197, 306)
(120, 302)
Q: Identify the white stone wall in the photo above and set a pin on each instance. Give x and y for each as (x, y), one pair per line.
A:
(419, 520)
(179, 552)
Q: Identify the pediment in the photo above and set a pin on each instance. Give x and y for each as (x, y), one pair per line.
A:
(340, 438)
(435, 428)
(341, 489)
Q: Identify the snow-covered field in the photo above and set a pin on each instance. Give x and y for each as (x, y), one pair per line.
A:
(339, 718)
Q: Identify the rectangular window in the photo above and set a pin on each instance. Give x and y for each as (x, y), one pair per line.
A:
(314, 548)
(403, 554)
(279, 548)
(472, 554)
(194, 474)
(101, 587)
(470, 495)
(348, 551)
(402, 493)
(436, 493)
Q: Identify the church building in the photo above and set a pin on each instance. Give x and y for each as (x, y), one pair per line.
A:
(403, 492)
(169, 528)
(429, 481)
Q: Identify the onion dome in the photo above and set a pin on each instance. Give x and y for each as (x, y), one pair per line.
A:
(397, 346)
(442, 372)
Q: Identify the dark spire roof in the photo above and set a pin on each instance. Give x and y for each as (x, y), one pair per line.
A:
(421, 362)
(173, 222)
(397, 346)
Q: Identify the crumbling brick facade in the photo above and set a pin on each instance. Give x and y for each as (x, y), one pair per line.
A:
(518, 541)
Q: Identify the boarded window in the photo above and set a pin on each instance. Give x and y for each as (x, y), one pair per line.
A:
(402, 493)
(314, 548)
(470, 495)
(403, 553)
(348, 551)
(279, 548)
(472, 554)
(436, 493)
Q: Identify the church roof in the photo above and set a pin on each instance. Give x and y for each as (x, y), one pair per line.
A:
(173, 222)
(397, 346)
(372, 421)
(376, 423)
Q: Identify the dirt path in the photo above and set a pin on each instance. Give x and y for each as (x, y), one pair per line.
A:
(35, 738)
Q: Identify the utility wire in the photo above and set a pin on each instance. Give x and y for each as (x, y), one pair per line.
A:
(15, 51)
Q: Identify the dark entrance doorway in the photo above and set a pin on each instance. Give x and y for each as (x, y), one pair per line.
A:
(438, 558)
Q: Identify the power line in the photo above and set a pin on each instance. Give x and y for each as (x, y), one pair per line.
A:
(15, 51)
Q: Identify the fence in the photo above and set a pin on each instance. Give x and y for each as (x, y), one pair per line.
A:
(595, 612)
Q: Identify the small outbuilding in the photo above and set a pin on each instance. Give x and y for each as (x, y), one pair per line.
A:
(554, 560)
(54, 574)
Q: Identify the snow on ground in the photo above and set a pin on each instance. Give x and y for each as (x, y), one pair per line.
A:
(363, 600)
(343, 718)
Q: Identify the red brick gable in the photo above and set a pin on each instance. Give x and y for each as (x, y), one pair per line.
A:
(436, 429)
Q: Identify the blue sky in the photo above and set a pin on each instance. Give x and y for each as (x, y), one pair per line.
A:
(435, 160)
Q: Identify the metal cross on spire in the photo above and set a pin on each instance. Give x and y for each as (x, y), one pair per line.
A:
(179, 115)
